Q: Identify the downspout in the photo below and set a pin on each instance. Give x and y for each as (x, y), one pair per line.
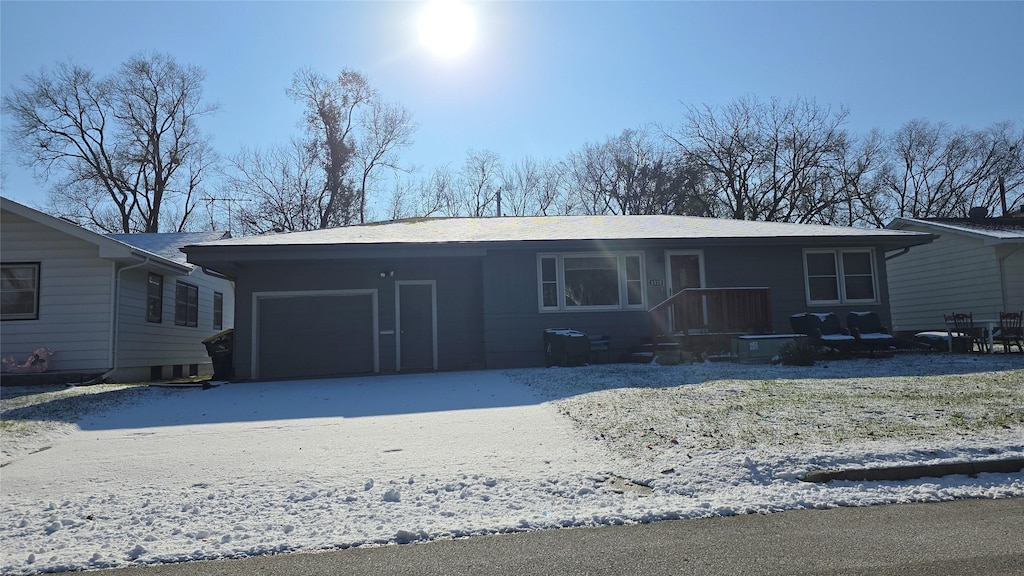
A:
(114, 317)
(1002, 277)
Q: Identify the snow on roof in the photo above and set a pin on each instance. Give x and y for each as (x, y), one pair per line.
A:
(1002, 229)
(168, 244)
(508, 229)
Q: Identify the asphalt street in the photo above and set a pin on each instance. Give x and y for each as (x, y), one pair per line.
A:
(976, 537)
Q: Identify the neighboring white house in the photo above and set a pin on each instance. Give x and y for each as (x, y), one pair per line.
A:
(976, 265)
(127, 306)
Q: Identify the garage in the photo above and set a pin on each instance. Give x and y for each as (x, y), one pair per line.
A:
(311, 334)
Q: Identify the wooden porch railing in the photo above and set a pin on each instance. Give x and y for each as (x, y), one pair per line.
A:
(711, 311)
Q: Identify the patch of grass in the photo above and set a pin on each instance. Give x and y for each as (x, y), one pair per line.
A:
(721, 414)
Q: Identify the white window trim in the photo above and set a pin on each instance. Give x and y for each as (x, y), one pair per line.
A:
(34, 315)
(837, 254)
(620, 262)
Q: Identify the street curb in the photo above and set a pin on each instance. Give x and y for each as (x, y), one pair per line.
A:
(897, 473)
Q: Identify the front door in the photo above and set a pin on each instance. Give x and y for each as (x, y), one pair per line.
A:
(685, 270)
(416, 325)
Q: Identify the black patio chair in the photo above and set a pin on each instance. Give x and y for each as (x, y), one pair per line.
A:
(823, 330)
(866, 328)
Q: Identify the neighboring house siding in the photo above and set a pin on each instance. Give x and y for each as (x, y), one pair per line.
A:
(458, 293)
(954, 273)
(74, 297)
(1013, 276)
(143, 344)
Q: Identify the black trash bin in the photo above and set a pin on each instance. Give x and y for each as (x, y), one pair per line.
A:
(221, 348)
(565, 347)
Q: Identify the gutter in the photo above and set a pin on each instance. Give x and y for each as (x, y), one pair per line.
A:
(897, 255)
(114, 317)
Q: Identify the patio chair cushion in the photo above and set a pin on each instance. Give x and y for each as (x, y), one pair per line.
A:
(828, 324)
(820, 326)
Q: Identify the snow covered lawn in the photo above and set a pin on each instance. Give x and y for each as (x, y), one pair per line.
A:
(109, 476)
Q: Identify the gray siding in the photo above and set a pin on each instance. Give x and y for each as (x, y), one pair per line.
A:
(513, 324)
(781, 268)
(143, 344)
(1012, 258)
(74, 297)
(459, 302)
(955, 273)
(514, 327)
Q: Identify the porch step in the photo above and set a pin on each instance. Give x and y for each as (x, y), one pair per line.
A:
(641, 357)
(646, 353)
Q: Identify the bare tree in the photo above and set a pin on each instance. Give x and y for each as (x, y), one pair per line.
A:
(767, 161)
(325, 178)
(330, 117)
(283, 186)
(386, 128)
(477, 186)
(553, 197)
(122, 148)
(633, 173)
(934, 171)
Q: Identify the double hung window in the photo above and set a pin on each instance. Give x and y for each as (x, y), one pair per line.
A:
(19, 291)
(840, 276)
(590, 281)
(186, 304)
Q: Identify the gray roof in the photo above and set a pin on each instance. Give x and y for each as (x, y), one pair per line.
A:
(168, 244)
(995, 229)
(540, 228)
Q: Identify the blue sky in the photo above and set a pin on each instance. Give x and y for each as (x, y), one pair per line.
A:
(544, 78)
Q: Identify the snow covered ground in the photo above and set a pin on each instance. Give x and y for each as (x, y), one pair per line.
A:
(111, 476)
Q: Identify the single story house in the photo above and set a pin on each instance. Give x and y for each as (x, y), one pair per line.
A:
(976, 265)
(125, 307)
(466, 293)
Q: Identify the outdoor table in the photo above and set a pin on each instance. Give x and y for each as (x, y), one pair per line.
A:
(989, 324)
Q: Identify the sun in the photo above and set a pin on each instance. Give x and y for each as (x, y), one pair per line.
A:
(447, 27)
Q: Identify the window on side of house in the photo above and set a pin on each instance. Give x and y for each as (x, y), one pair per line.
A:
(840, 276)
(19, 291)
(590, 281)
(186, 304)
(155, 298)
(218, 310)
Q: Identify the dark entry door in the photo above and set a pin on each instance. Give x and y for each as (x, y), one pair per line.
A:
(684, 272)
(416, 327)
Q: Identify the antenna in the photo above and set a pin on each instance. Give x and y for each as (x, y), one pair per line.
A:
(229, 201)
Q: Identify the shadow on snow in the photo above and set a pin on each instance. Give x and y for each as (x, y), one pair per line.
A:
(395, 395)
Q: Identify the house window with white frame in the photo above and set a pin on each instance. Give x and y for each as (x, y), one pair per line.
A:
(590, 281)
(19, 291)
(840, 276)
(186, 304)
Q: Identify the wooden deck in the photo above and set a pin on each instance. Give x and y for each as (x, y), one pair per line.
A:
(699, 318)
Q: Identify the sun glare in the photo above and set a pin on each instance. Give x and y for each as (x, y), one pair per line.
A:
(447, 27)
